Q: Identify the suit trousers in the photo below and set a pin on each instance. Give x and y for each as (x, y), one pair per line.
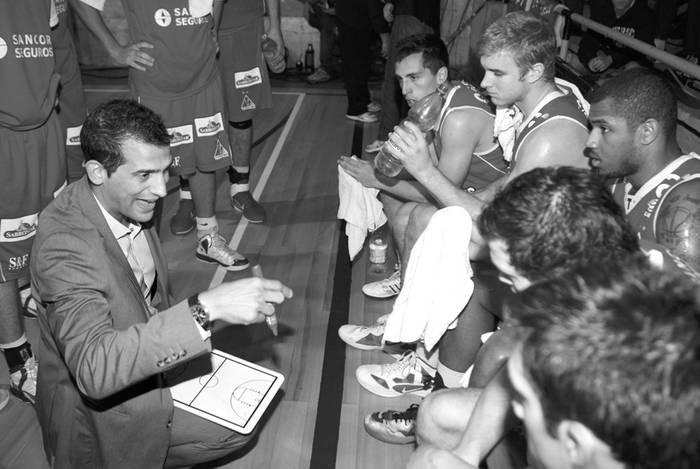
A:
(195, 440)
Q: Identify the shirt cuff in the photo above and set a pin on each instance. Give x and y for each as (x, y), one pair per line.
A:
(206, 335)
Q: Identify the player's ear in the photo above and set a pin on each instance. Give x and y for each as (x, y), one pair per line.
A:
(442, 75)
(96, 173)
(534, 73)
(648, 131)
(581, 444)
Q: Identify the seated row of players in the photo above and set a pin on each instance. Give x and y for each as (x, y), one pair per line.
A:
(632, 140)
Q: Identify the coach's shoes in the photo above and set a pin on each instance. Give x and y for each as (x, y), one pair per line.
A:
(385, 288)
(23, 380)
(408, 375)
(392, 426)
(183, 221)
(364, 337)
(214, 249)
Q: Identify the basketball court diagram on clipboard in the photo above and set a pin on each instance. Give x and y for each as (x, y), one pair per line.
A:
(226, 390)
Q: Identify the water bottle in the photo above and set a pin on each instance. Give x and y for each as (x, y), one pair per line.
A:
(424, 113)
(309, 59)
(377, 249)
(274, 58)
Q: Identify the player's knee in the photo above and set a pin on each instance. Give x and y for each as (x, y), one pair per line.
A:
(242, 125)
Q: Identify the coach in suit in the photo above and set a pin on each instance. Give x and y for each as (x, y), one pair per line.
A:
(109, 332)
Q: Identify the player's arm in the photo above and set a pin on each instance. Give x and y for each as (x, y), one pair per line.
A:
(274, 31)
(678, 223)
(555, 143)
(216, 12)
(133, 54)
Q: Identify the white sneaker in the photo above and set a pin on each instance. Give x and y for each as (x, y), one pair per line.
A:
(374, 147)
(366, 117)
(384, 288)
(364, 337)
(408, 375)
(213, 248)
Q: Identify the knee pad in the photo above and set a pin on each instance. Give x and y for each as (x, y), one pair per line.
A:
(242, 125)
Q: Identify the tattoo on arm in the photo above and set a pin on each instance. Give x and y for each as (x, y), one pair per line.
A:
(678, 226)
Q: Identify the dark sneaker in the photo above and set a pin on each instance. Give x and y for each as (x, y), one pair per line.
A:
(392, 426)
(183, 221)
(243, 202)
(214, 249)
(23, 380)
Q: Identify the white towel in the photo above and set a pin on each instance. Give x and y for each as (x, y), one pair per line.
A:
(360, 208)
(438, 283)
(199, 8)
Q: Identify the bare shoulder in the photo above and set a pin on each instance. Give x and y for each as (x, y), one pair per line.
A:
(557, 142)
(678, 222)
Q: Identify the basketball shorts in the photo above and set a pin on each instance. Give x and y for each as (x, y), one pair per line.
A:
(243, 69)
(33, 173)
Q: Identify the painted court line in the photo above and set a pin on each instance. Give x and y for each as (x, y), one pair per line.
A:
(243, 223)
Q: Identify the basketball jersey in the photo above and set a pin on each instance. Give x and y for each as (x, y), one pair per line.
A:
(486, 166)
(642, 208)
(184, 47)
(553, 107)
(29, 82)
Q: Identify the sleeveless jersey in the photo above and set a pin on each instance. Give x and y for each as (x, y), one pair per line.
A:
(565, 108)
(486, 166)
(27, 75)
(642, 208)
(184, 47)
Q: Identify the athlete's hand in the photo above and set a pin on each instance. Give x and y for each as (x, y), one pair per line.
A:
(600, 63)
(276, 35)
(361, 170)
(408, 144)
(134, 55)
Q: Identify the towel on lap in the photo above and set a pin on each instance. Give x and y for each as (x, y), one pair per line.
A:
(360, 208)
(438, 281)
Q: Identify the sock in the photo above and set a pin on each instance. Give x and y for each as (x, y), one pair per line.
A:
(450, 377)
(238, 174)
(185, 194)
(17, 352)
(239, 187)
(206, 225)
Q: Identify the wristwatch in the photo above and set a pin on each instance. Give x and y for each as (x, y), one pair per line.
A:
(199, 312)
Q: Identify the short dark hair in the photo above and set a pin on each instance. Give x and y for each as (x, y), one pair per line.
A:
(528, 38)
(618, 350)
(112, 123)
(638, 95)
(431, 48)
(554, 219)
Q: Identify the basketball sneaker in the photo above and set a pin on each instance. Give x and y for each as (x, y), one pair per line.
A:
(214, 249)
(393, 426)
(407, 375)
(364, 337)
(385, 288)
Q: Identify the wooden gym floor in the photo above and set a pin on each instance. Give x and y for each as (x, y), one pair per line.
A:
(317, 420)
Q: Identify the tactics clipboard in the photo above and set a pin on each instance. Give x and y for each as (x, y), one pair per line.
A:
(226, 390)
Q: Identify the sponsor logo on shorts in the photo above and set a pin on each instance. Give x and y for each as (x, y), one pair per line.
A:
(180, 135)
(220, 151)
(18, 229)
(209, 125)
(247, 104)
(176, 162)
(16, 263)
(247, 78)
(73, 135)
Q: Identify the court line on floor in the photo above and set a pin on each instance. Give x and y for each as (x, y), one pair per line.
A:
(260, 186)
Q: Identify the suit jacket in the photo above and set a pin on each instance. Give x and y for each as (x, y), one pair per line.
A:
(101, 395)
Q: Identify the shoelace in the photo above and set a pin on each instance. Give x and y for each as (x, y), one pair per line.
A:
(402, 365)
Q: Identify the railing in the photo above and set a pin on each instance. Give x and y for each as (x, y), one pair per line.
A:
(562, 16)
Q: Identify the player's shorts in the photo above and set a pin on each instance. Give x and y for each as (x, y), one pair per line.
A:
(198, 127)
(72, 112)
(244, 71)
(33, 173)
